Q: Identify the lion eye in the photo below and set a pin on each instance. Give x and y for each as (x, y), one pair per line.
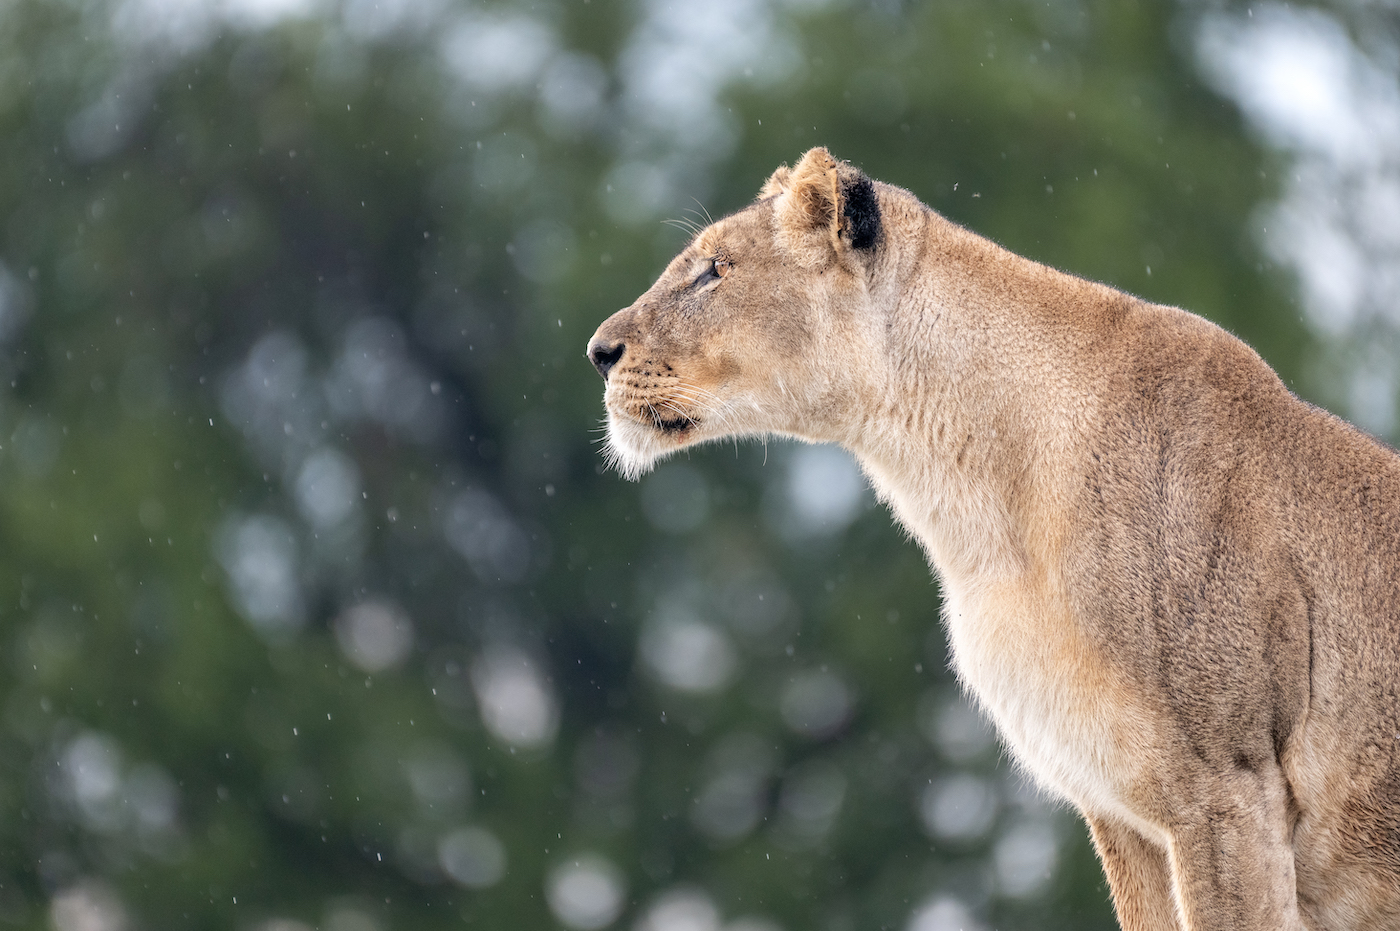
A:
(717, 269)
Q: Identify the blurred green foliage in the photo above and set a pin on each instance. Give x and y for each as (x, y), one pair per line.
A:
(314, 588)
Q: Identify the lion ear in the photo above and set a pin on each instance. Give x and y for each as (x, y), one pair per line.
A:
(812, 200)
(776, 184)
(822, 199)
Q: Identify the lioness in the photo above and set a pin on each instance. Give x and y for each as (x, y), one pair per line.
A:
(1173, 585)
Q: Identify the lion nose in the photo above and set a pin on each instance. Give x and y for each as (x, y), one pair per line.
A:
(605, 355)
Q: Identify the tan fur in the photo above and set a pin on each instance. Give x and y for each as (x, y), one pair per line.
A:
(1173, 585)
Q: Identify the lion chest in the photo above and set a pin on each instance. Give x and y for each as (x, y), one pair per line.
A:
(1058, 706)
(1066, 715)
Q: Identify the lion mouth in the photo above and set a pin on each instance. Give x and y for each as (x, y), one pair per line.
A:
(660, 416)
(675, 426)
(667, 418)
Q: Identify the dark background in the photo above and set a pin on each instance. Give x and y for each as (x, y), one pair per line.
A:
(317, 606)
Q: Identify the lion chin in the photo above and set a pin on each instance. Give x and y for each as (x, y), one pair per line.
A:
(634, 449)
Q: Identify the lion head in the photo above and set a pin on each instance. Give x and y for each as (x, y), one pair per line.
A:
(760, 326)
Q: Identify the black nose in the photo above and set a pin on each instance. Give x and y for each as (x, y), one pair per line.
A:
(605, 356)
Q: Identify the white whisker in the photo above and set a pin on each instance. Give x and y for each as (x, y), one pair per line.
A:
(709, 220)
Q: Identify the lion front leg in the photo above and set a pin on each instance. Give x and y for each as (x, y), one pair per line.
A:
(1231, 857)
(1139, 876)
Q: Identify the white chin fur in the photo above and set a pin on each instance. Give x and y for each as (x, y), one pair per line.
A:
(633, 449)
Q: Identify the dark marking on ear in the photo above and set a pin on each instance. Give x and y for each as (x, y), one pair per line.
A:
(862, 211)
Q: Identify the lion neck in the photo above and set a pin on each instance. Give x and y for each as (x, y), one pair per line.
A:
(968, 428)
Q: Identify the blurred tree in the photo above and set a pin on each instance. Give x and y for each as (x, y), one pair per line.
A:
(318, 606)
